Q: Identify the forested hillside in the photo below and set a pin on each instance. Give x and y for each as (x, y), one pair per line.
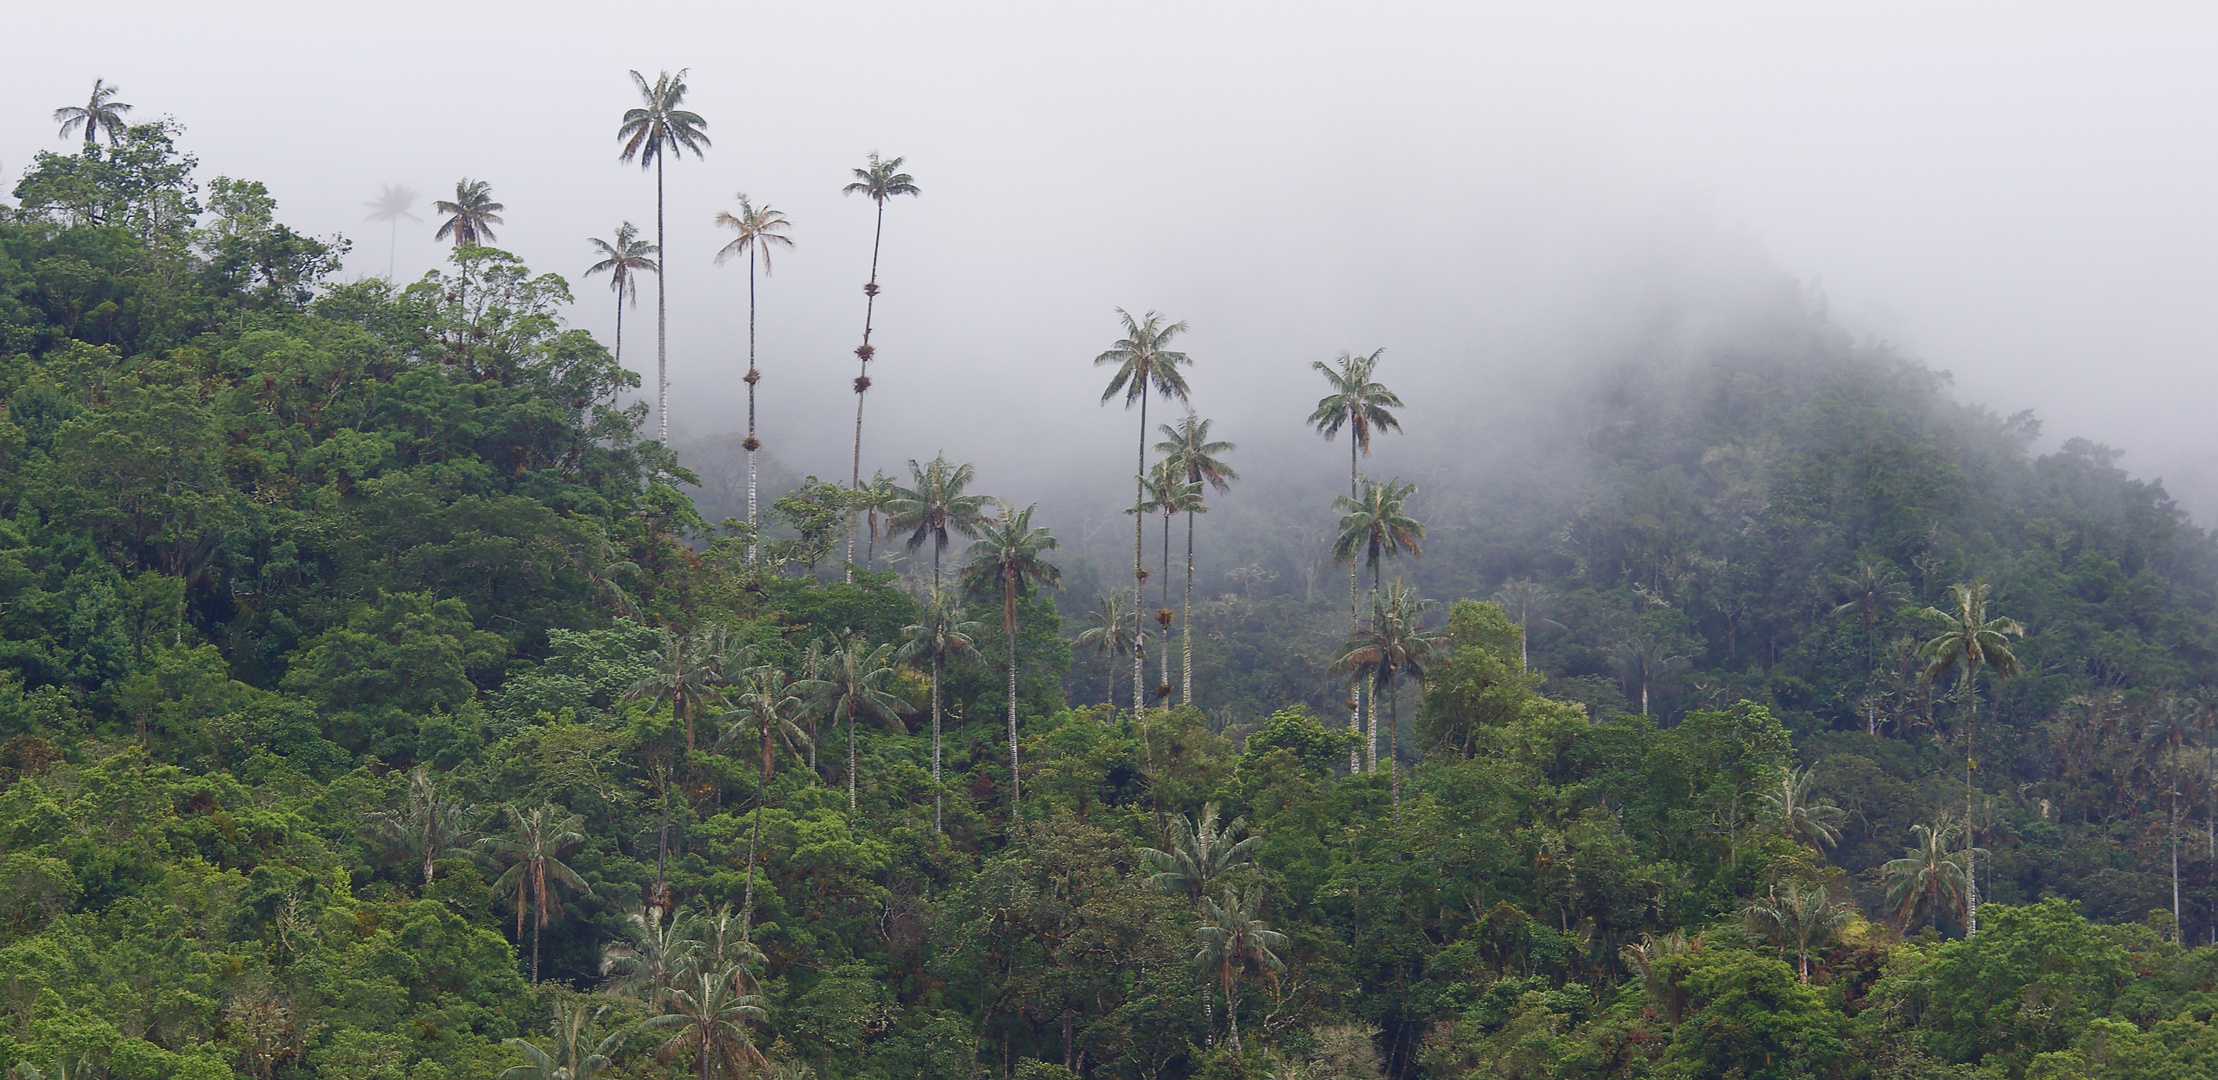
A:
(377, 704)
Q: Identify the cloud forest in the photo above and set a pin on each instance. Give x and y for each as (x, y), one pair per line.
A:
(384, 696)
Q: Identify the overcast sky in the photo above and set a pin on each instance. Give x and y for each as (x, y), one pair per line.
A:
(2020, 193)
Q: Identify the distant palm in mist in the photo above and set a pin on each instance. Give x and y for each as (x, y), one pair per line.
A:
(390, 206)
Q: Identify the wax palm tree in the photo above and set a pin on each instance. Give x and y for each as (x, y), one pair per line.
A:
(653, 953)
(871, 503)
(471, 215)
(1165, 490)
(768, 709)
(707, 1017)
(1376, 525)
(1802, 815)
(758, 229)
(1526, 602)
(1645, 665)
(2166, 734)
(1968, 641)
(623, 259)
(432, 824)
(1145, 363)
(573, 1053)
(1006, 562)
(1199, 853)
(1363, 405)
(940, 633)
(1395, 646)
(1928, 876)
(936, 508)
(1235, 939)
(1873, 589)
(100, 113)
(1203, 460)
(657, 129)
(391, 205)
(1662, 982)
(1800, 918)
(1109, 632)
(533, 849)
(851, 685)
(880, 180)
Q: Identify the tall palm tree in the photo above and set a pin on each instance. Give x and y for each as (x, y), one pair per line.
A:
(430, 825)
(1802, 815)
(759, 229)
(651, 132)
(573, 1053)
(1872, 590)
(871, 502)
(653, 953)
(533, 849)
(471, 215)
(1363, 405)
(101, 112)
(1397, 645)
(1164, 490)
(1199, 853)
(852, 685)
(1202, 458)
(1800, 917)
(880, 180)
(940, 633)
(1928, 876)
(1968, 641)
(1234, 939)
(1109, 632)
(1645, 664)
(1145, 363)
(1008, 561)
(1526, 602)
(936, 508)
(2167, 733)
(391, 205)
(768, 708)
(709, 1015)
(1376, 525)
(623, 259)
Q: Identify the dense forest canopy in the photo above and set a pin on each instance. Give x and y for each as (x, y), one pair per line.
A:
(379, 702)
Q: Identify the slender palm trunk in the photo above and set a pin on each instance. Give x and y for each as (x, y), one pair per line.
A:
(1186, 662)
(753, 376)
(619, 327)
(2175, 868)
(538, 925)
(1355, 621)
(1166, 681)
(754, 838)
(850, 761)
(1016, 785)
(1371, 700)
(1394, 744)
(1139, 574)
(392, 249)
(1232, 1018)
(936, 797)
(1524, 650)
(1971, 841)
(862, 377)
(662, 323)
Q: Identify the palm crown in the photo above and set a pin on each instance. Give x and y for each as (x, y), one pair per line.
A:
(1145, 361)
(393, 203)
(100, 113)
(1187, 442)
(623, 259)
(1969, 640)
(658, 125)
(471, 215)
(1357, 402)
(881, 180)
(758, 229)
(935, 508)
(1376, 524)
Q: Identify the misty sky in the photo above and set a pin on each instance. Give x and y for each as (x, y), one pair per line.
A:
(2020, 193)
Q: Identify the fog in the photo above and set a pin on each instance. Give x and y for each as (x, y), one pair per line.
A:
(2020, 194)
